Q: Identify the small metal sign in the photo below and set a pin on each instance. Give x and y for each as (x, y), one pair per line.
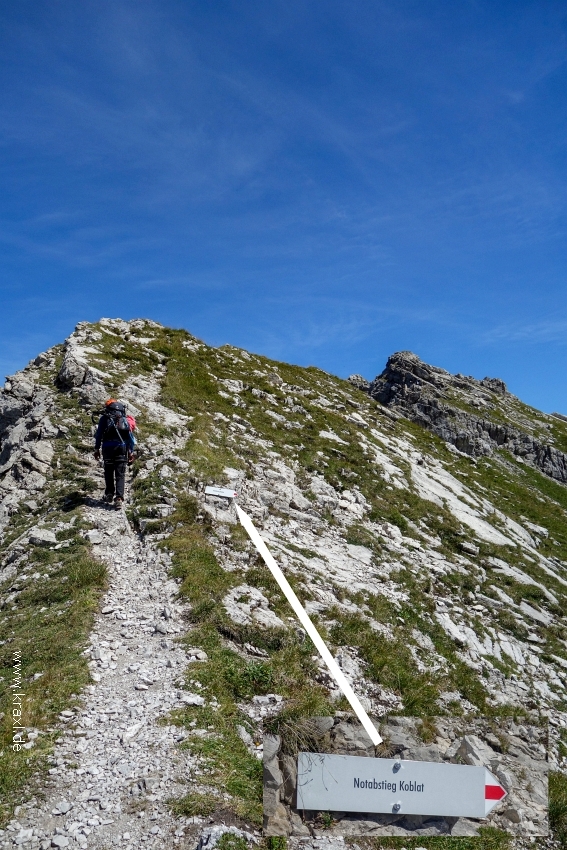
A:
(333, 783)
(223, 492)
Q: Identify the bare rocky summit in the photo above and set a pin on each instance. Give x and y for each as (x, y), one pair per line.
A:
(476, 417)
(152, 647)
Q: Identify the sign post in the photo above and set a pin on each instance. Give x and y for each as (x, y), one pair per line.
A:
(391, 786)
(220, 492)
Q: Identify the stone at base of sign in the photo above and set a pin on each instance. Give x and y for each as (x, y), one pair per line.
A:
(514, 754)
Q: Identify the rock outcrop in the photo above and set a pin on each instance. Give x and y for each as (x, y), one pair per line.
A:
(27, 427)
(444, 403)
(75, 374)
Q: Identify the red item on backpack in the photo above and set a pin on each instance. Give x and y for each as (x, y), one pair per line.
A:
(131, 422)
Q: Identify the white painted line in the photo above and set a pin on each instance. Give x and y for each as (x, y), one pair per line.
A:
(303, 618)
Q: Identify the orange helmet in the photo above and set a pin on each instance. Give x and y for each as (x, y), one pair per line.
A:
(110, 401)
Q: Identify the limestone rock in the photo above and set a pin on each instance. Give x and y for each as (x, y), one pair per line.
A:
(73, 371)
(272, 774)
(475, 752)
(191, 699)
(245, 604)
(42, 450)
(75, 374)
(271, 746)
(94, 537)
(42, 537)
(280, 823)
(426, 395)
(351, 739)
(359, 382)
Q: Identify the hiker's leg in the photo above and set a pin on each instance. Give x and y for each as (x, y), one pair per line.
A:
(109, 476)
(120, 469)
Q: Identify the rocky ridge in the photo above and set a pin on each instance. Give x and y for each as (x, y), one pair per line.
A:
(436, 594)
(445, 404)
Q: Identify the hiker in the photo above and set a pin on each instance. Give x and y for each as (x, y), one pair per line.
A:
(114, 435)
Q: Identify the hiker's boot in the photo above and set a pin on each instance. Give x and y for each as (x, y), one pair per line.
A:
(118, 502)
(108, 498)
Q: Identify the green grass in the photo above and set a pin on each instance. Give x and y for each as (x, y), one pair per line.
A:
(228, 841)
(388, 662)
(489, 839)
(50, 642)
(558, 806)
(276, 842)
(195, 804)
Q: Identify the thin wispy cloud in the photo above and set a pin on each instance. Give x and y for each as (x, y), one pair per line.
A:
(535, 333)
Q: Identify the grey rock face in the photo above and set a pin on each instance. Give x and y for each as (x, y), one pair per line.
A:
(359, 382)
(42, 537)
(440, 402)
(475, 752)
(72, 372)
(26, 453)
(76, 375)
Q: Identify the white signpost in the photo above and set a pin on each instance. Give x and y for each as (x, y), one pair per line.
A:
(223, 492)
(335, 783)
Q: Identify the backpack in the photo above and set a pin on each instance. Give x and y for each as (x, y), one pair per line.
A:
(116, 416)
(118, 420)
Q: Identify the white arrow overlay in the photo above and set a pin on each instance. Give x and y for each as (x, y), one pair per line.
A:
(305, 621)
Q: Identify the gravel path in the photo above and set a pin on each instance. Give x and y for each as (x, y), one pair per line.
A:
(115, 765)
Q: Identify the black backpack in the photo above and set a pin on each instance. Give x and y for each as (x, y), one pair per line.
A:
(115, 414)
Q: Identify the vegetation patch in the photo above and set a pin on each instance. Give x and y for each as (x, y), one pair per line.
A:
(488, 839)
(558, 806)
(45, 629)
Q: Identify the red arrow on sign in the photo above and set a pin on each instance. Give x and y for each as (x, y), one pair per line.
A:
(493, 791)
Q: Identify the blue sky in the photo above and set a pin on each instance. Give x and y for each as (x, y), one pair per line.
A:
(322, 182)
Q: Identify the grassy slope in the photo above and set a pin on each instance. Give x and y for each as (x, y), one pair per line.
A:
(51, 618)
